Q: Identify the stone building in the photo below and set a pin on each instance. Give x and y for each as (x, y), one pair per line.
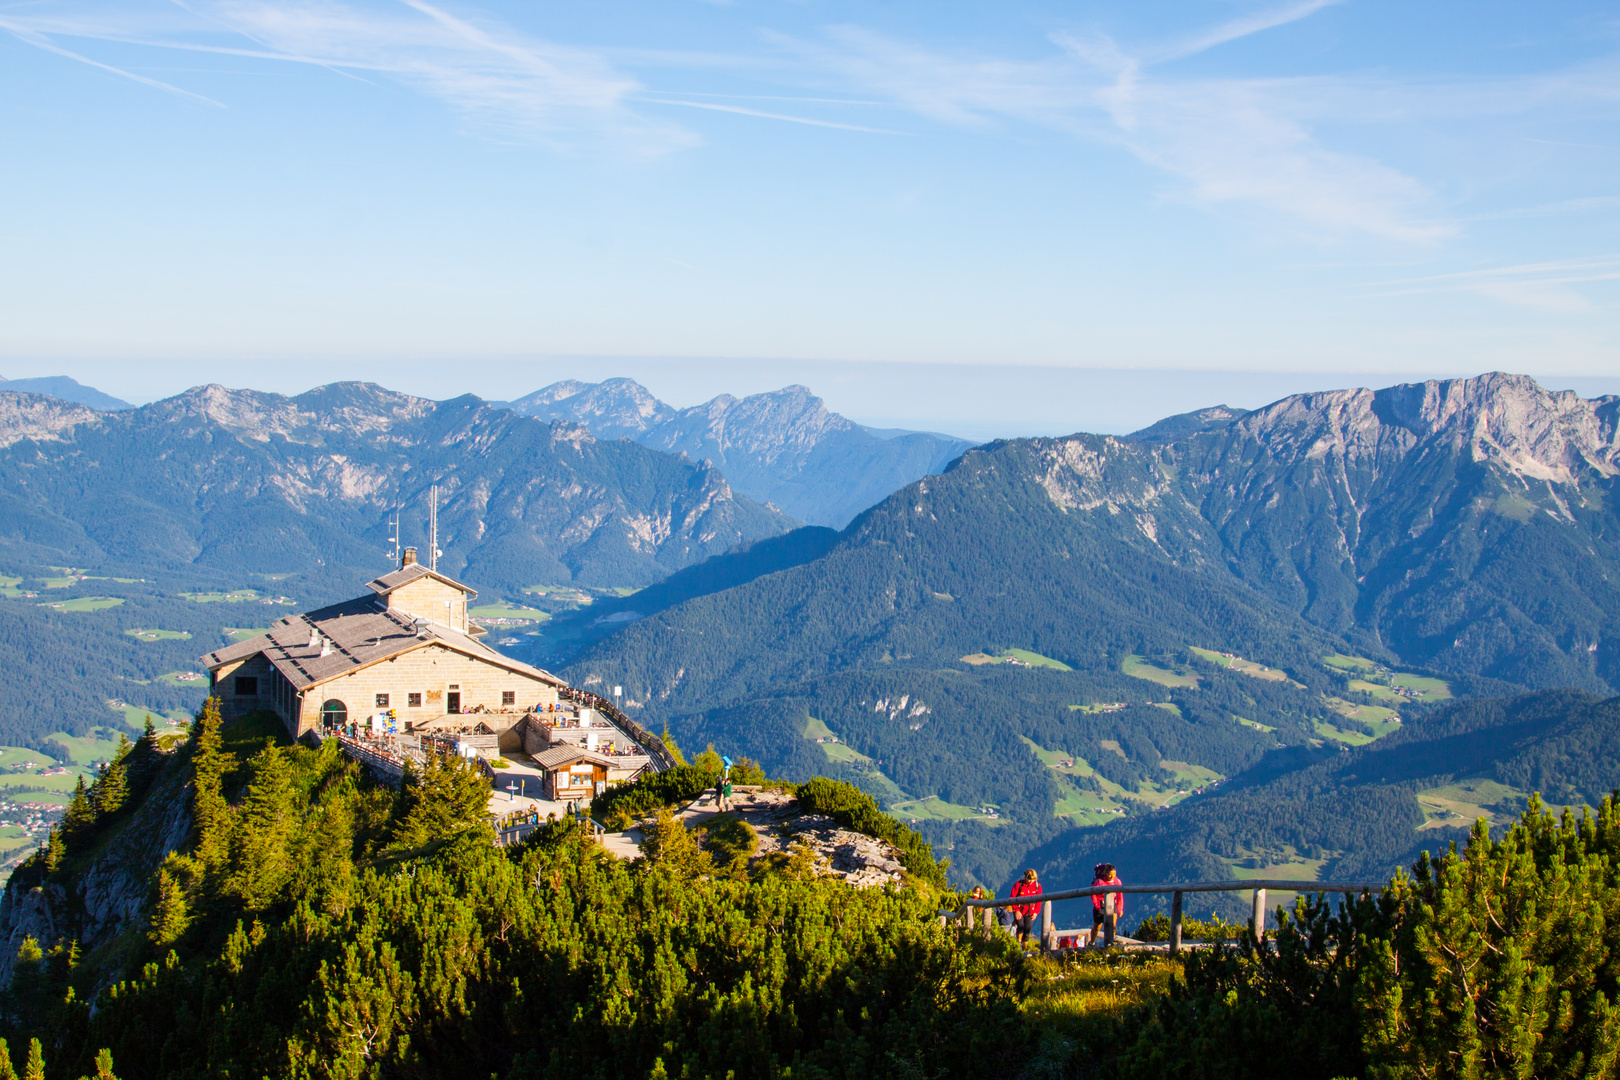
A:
(406, 649)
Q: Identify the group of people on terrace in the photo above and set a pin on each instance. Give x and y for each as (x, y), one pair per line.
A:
(1106, 908)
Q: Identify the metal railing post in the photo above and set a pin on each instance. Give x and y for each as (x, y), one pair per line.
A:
(1048, 931)
(1259, 916)
(1175, 923)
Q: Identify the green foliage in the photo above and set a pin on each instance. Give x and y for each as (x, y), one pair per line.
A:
(671, 787)
(730, 841)
(1499, 961)
(8, 1071)
(855, 809)
(746, 770)
(35, 1067)
(669, 844)
(709, 761)
(1215, 928)
(446, 798)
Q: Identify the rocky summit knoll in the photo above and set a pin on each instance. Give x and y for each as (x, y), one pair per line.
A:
(785, 448)
(248, 483)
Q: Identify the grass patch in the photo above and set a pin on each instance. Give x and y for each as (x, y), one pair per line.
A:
(144, 634)
(1016, 657)
(1138, 668)
(934, 808)
(1242, 666)
(242, 633)
(1340, 735)
(508, 611)
(97, 746)
(85, 603)
(184, 678)
(135, 715)
(1343, 662)
(1257, 725)
(1465, 801)
(236, 596)
(1078, 1002)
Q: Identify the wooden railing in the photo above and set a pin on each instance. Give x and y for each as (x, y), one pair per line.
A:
(660, 757)
(1049, 933)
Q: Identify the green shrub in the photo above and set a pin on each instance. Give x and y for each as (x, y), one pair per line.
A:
(681, 784)
(856, 810)
(1157, 928)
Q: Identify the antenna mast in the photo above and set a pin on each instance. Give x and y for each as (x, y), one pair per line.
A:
(433, 528)
(393, 537)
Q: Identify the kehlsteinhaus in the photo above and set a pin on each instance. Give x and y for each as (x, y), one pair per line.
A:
(406, 648)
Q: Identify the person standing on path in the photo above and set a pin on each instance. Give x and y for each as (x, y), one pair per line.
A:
(1106, 908)
(1024, 914)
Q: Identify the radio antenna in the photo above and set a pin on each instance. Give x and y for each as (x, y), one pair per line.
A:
(393, 537)
(433, 529)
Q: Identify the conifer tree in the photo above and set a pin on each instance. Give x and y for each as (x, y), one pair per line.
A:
(209, 764)
(35, 1069)
(172, 913)
(80, 816)
(53, 850)
(446, 797)
(147, 744)
(112, 785)
(7, 1070)
(104, 1065)
(669, 744)
(670, 844)
(261, 856)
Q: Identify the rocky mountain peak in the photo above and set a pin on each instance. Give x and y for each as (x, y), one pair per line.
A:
(613, 408)
(32, 416)
(1508, 420)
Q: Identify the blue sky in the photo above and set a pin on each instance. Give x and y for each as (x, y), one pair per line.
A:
(936, 214)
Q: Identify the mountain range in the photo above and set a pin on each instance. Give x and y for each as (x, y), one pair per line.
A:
(1279, 582)
(66, 389)
(783, 448)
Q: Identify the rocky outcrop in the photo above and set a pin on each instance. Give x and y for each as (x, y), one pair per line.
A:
(110, 895)
(42, 419)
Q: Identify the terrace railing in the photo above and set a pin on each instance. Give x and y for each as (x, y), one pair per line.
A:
(966, 918)
(659, 754)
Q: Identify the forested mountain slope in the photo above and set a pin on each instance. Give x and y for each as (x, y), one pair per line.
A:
(784, 448)
(247, 483)
(1466, 527)
(1361, 813)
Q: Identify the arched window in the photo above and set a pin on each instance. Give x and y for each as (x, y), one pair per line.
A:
(334, 714)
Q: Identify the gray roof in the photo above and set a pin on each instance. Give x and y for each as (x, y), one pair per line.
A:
(558, 756)
(407, 574)
(362, 632)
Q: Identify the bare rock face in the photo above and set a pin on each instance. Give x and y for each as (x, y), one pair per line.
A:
(861, 860)
(42, 419)
(109, 897)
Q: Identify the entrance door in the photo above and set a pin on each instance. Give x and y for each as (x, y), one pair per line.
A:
(452, 701)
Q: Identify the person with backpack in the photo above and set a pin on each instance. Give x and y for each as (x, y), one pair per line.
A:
(1024, 914)
(1106, 908)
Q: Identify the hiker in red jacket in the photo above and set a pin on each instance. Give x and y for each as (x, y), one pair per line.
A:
(1106, 908)
(1024, 914)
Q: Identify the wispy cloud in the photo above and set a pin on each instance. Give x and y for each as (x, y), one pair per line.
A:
(744, 111)
(1544, 285)
(501, 79)
(40, 41)
(1239, 143)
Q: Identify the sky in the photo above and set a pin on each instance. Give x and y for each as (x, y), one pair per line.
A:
(984, 218)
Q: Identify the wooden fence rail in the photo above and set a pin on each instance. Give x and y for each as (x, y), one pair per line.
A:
(1049, 933)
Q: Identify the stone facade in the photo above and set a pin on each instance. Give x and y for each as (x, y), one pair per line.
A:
(432, 599)
(420, 685)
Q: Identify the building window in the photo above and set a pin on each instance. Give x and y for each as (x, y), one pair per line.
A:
(414, 700)
(334, 714)
(247, 686)
(508, 697)
(454, 686)
(382, 701)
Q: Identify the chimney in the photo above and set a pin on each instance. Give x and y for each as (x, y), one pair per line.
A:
(314, 637)
(409, 558)
(326, 647)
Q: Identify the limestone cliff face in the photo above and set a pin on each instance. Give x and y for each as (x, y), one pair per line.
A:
(42, 419)
(110, 895)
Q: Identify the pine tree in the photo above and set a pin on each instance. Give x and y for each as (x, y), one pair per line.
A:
(104, 1065)
(112, 786)
(445, 798)
(210, 812)
(80, 817)
(172, 913)
(35, 1069)
(7, 1070)
(261, 855)
(670, 844)
(669, 744)
(147, 744)
(53, 850)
